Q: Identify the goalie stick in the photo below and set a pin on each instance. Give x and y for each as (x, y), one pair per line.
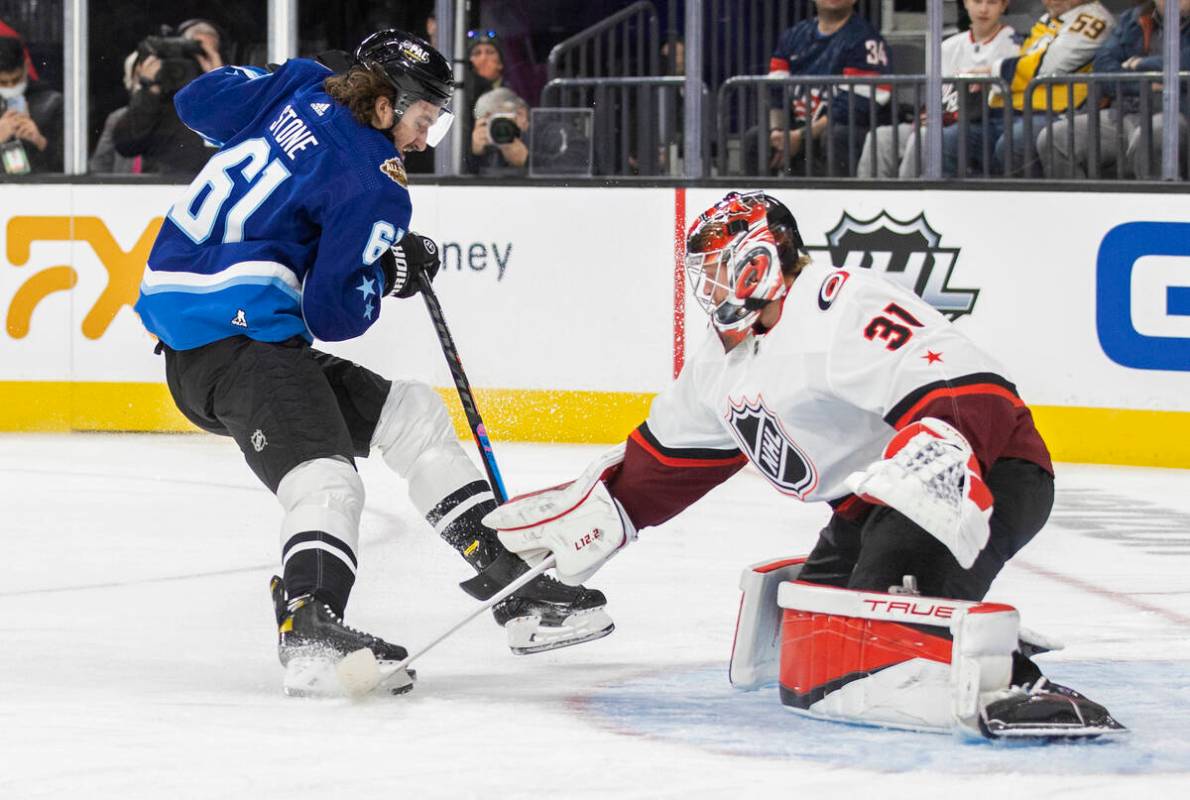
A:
(360, 673)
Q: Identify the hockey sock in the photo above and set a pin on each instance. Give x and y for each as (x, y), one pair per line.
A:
(320, 564)
(457, 519)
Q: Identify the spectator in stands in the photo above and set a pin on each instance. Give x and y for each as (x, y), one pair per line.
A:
(500, 140)
(150, 128)
(105, 160)
(1063, 41)
(835, 42)
(30, 117)
(1134, 45)
(8, 32)
(986, 40)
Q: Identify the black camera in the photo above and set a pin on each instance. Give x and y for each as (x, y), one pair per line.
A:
(503, 129)
(179, 60)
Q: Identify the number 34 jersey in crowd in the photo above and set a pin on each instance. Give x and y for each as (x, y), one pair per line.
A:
(852, 359)
(279, 234)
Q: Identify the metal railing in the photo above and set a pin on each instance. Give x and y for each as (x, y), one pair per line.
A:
(624, 44)
(1116, 109)
(741, 34)
(638, 121)
(753, 111)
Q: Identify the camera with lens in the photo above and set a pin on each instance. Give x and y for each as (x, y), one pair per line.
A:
(503, 128)
(179, 60)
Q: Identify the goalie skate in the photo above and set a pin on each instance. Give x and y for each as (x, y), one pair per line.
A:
(1046, 711)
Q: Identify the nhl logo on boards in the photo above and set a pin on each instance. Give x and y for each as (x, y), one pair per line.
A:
(766, 444)
(395, 169)
(908, 253)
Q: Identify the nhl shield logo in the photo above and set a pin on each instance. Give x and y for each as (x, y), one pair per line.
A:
(763, 439)
(906, 252)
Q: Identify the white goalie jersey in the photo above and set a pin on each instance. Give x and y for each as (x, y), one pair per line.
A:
(852, 359)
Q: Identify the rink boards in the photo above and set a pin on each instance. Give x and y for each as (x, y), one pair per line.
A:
(570, 308)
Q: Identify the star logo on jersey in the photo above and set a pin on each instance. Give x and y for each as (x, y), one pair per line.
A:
(764, 441)
(395, 169)
(367, 287)
(320, 108)
(932, 358)
(906, 252)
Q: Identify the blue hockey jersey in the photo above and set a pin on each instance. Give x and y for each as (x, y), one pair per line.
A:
(280, 233)
(856, 49)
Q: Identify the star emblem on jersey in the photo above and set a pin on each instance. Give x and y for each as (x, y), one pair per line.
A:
(320, 108)
(368, 310)
(764, 441)
(366, 287)
(931, 357)
(906, 252)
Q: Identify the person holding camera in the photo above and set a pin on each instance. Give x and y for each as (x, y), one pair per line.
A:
(30, 116)
(151, 128)
(500, 139)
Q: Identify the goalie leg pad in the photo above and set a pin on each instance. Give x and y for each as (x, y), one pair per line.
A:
(755, 651)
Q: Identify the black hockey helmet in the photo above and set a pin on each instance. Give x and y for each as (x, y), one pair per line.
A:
(411, 65)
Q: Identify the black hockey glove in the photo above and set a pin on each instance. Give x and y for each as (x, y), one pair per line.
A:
(404, 261)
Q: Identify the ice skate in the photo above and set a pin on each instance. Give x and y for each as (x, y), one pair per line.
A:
(313, 641)
(1048, 711)
(546, 614)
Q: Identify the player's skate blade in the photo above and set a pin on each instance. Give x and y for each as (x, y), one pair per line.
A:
(528, 635)
(1047, 711)
(359, 673)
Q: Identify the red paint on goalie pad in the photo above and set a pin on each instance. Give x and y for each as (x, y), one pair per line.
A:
(821, 653)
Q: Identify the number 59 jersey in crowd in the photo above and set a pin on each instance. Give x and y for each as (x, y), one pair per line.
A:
(852, 359)
(278, 236)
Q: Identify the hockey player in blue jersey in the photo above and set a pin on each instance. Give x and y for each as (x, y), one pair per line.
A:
(294, 230)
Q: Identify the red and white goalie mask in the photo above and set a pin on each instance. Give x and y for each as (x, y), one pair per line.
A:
(732, 263)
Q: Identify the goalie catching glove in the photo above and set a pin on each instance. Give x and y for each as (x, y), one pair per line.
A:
(929, 473)
(412, 256)
(579, 522)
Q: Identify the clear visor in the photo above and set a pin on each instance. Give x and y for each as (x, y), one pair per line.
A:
(437, 132)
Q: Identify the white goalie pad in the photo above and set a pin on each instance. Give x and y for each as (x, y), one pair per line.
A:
(756, 649)
(888, 660)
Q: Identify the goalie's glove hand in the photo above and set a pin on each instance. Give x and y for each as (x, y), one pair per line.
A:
(579, 522)
(412, 256)
(929, 473)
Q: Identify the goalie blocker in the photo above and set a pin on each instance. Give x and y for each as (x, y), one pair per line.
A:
(900, 660)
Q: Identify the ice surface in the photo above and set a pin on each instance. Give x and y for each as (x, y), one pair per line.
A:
(137, 654)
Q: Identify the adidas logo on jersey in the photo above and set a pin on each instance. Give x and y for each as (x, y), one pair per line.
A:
(320, 108)
(240, 320)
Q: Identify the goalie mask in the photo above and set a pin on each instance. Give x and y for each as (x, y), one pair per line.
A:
(415, 70)
(734, 253)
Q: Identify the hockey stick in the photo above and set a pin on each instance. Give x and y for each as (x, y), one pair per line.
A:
(360, 673)
(455, 363)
